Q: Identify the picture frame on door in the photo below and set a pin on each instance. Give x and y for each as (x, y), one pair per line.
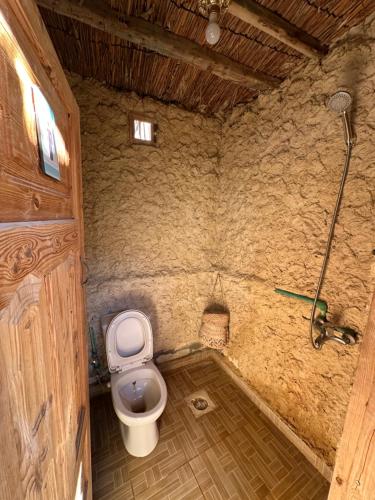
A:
(46, 132)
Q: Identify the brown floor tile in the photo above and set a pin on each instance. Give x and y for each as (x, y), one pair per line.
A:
(233, 452)
(179, 485)
(218, 474)
(198, 434)
(161, 463)
(178, 385)
(123, 492)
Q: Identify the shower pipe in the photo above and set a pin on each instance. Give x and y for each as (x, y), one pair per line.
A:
(339, 102)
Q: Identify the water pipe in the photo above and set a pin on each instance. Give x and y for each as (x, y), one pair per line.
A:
(94, 361)
(320, 304)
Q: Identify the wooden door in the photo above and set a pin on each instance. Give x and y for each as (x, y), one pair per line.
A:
(44, 408)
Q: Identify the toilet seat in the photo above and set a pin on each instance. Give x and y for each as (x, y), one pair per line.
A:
(128, 341)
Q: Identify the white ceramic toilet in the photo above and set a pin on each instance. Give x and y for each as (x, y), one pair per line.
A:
(139, 393)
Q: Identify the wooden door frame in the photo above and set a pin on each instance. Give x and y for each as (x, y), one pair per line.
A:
(354, 473)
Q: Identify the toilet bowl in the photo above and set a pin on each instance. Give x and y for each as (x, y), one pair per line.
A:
(139, 393)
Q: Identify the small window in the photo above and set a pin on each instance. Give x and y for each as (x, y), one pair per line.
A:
(142, 131)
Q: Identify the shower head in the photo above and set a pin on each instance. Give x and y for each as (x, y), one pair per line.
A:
(340, 101)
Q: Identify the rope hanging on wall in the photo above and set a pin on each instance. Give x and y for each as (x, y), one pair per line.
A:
(214, 330)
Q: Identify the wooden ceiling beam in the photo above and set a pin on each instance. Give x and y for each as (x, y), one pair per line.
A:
(151, 36)
(266, 20)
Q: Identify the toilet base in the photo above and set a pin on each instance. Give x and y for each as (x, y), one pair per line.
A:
(140, 440)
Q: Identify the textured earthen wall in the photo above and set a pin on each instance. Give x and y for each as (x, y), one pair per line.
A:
(148, 212)
(161, 221)
(282, 159)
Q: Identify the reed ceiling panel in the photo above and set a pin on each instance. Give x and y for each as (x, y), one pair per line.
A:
(126, 66)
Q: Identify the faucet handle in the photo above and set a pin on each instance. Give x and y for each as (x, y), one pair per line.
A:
(330, 331)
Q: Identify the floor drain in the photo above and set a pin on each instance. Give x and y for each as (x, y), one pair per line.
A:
(199, 403)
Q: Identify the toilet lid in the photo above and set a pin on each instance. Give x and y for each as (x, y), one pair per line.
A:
(128, 341)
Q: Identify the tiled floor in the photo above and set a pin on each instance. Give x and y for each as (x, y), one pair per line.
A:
(233, 452)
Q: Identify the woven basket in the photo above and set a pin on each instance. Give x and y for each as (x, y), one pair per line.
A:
(214, 329)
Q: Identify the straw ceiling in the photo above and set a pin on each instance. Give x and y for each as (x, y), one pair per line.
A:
(125, 66)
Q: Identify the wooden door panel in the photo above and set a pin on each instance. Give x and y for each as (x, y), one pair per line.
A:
(36, 249)
(26, 201)
(39, 365)
(44, 411)
(26, 192)
(21, 360)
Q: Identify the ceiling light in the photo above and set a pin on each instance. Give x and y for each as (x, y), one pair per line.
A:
(212, 9)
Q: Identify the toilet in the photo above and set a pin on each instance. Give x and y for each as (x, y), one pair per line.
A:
(139, 393)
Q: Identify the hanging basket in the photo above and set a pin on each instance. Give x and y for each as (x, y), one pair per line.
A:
(214, 330)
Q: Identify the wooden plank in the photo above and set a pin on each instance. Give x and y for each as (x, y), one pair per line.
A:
(33, 250)
(29, 201)
(354, 473)
(81, 336)
(265, 20)
(40, 45)
(26, 193)
(41, 397)
(135, 30)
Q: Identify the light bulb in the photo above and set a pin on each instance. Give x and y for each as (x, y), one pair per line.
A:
(213, 29)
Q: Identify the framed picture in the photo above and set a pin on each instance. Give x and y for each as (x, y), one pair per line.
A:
(46, 131)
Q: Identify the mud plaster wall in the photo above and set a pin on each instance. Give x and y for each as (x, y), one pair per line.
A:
(280, 168)
(160, 221)
(148, 212)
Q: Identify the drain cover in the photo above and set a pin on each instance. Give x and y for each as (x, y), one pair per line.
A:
(199, 403)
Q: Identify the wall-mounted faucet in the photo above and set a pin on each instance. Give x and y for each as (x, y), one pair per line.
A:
(330, 331)
(327, 330)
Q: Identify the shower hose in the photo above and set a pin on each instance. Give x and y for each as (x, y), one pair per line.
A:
(349, 146)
